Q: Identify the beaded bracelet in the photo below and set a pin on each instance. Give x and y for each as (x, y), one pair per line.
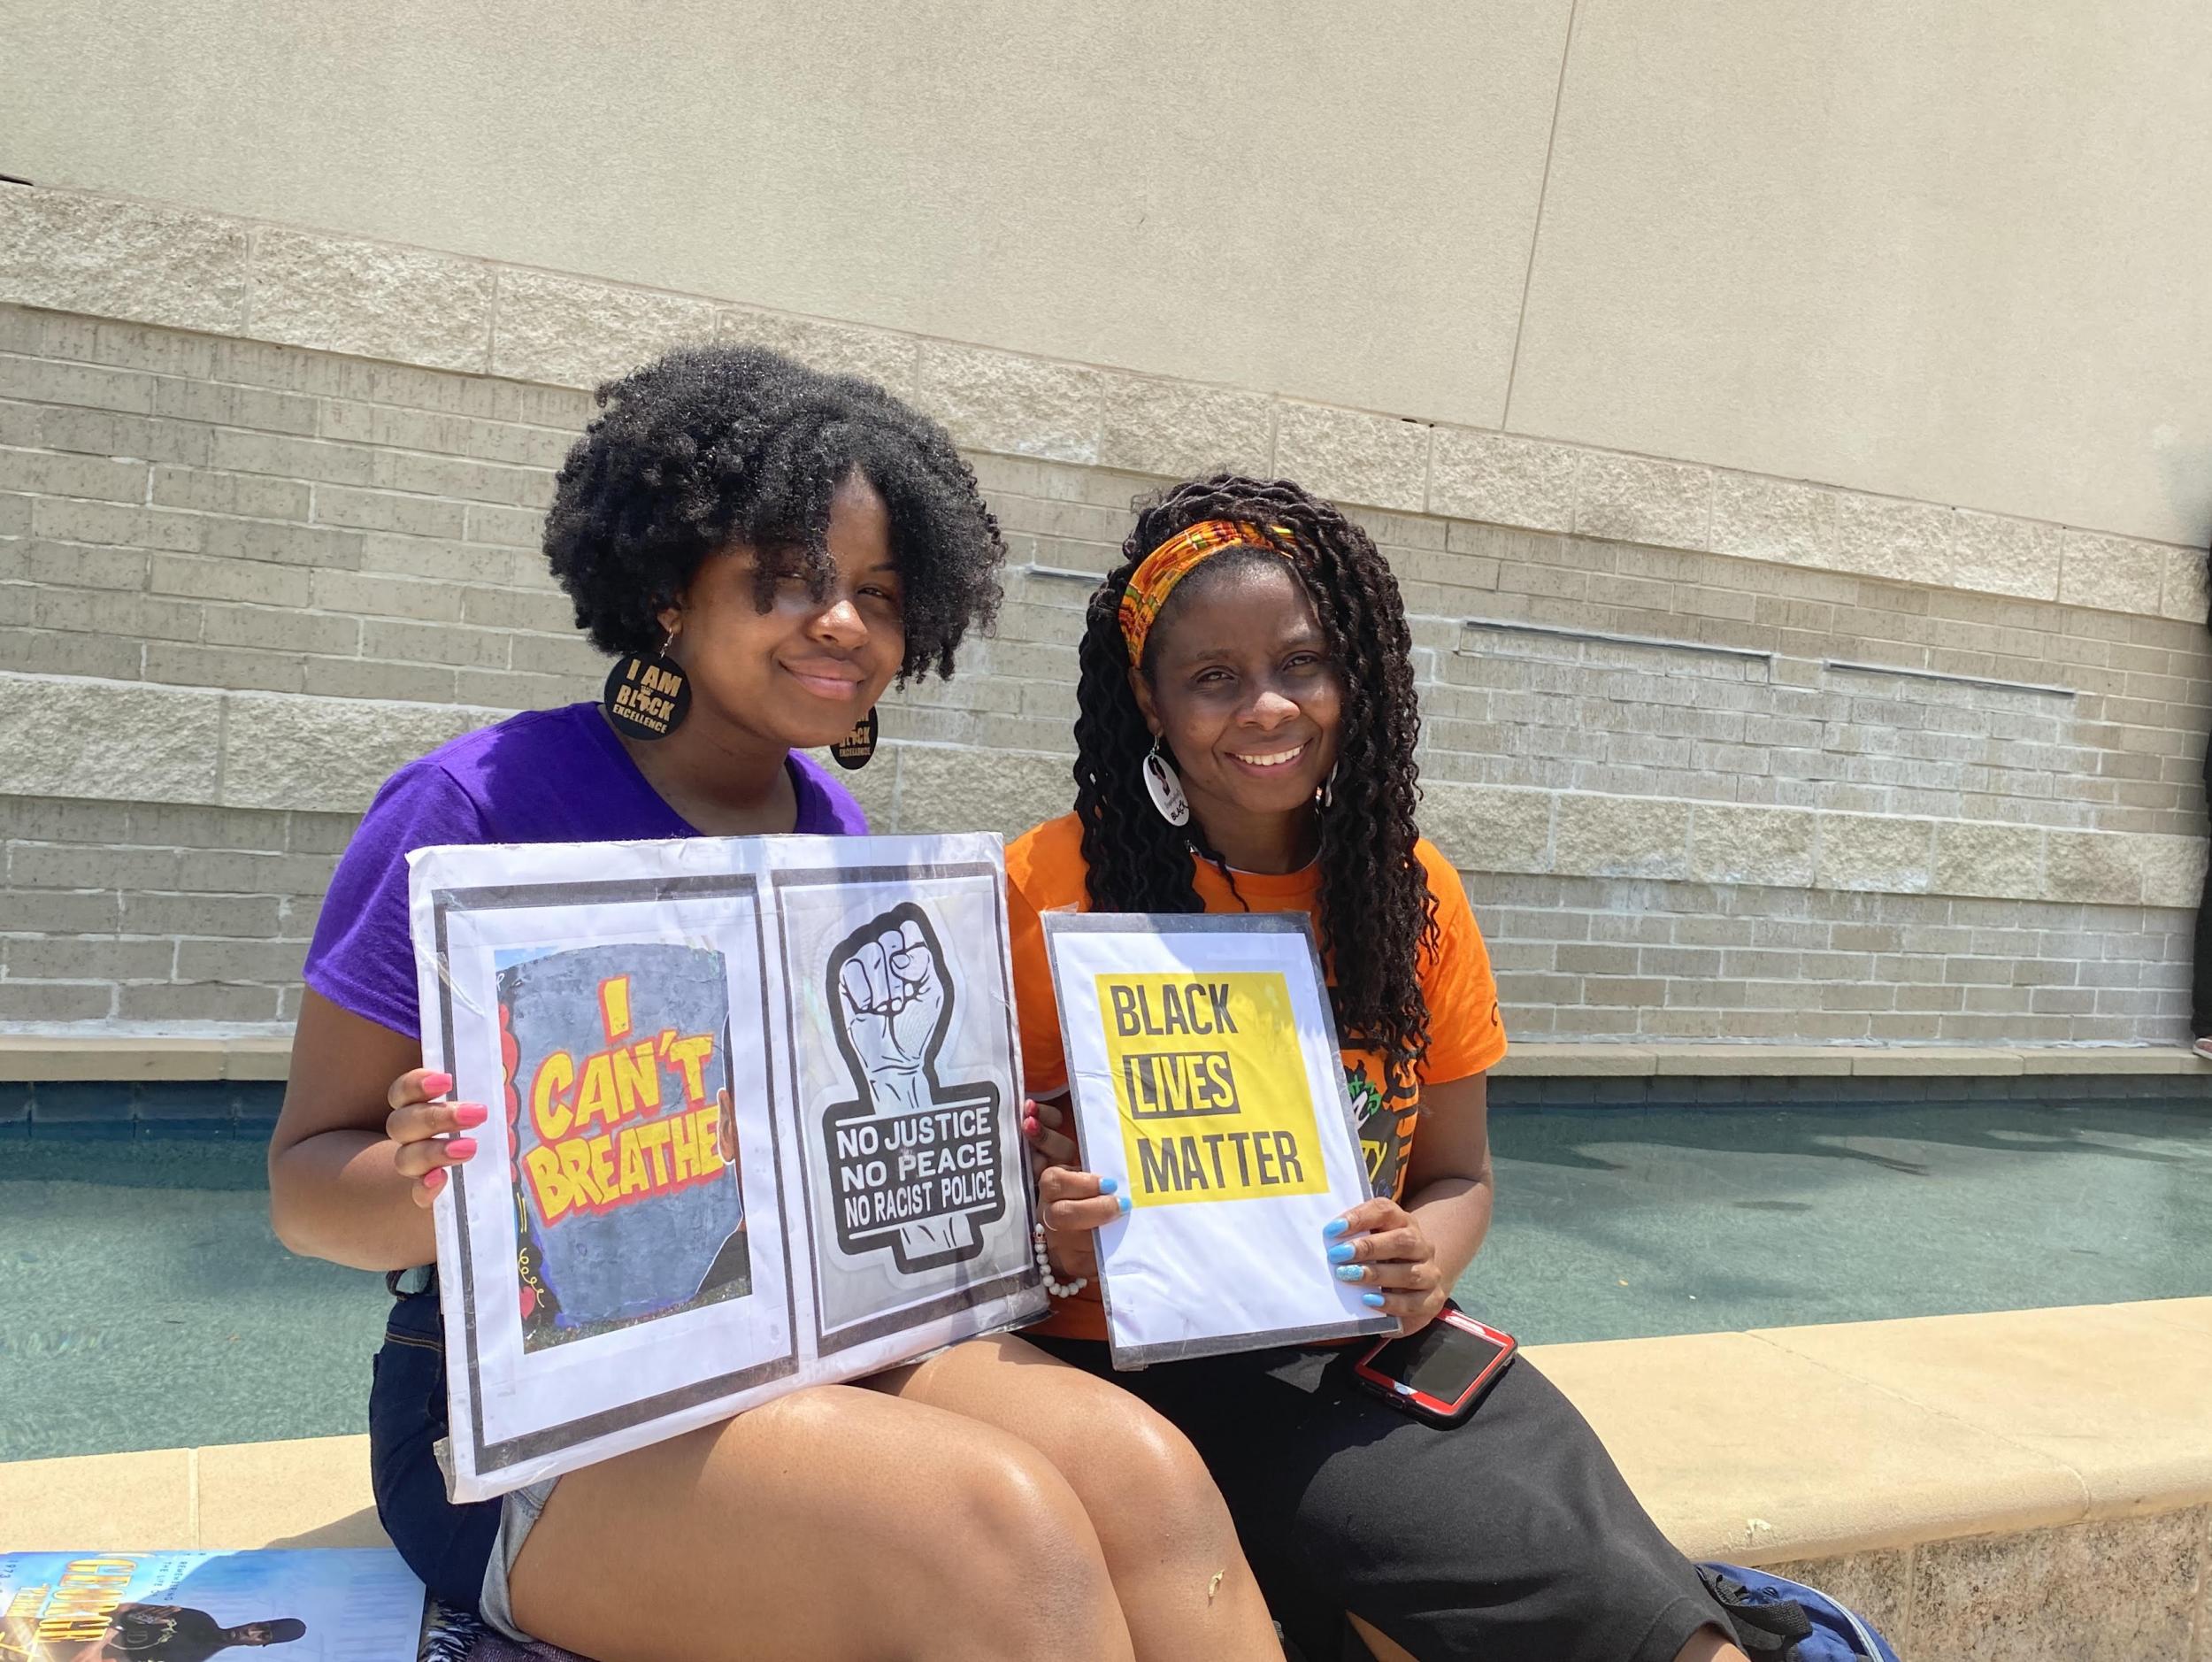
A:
(1059, 1289)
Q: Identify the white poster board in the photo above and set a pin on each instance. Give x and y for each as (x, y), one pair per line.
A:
(1203, 1066)
(834, 1013)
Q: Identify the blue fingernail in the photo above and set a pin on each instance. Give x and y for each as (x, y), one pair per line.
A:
(1371, 1298)
(1334, 1228)
(1107, 1185)
(1125, 1202)
(1350, 1272)
(1342, 1252)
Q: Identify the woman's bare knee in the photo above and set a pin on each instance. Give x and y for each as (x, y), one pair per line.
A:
(974, 1528)
(848, 1524)
(1178, 1577)
(1021, 1566)
(1148, 1493)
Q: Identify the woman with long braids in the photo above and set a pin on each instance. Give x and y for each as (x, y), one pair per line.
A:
(1246, 742)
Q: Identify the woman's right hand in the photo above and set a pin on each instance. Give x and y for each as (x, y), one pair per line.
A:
(431, 1135)
(1075, 1206)
(1071, 1204)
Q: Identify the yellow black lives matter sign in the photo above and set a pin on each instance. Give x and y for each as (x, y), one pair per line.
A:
(1211, 1085)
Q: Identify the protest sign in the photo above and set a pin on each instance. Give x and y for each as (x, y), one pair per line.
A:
(752, 1128)
(1203, 1065)
(330, 1604)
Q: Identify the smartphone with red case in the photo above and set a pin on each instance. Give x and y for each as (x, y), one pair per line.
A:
(1440, 1373)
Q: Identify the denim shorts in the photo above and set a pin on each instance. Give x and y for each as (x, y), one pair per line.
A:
(463, 1553)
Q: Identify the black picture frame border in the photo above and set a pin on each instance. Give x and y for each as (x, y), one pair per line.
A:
(490, 1459)
(827, 1343)
(1055, 924)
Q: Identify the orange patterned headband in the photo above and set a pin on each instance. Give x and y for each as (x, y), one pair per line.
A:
(1156, 577)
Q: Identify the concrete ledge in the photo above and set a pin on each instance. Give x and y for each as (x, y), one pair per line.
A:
(1898, 1061)
(1807, 1442)
(46, 1057)
(40, 1057)
(1948, 1475)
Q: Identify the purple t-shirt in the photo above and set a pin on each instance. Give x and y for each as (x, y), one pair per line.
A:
(543, 776)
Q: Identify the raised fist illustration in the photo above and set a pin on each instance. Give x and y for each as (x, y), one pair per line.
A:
(892, 990)
(891, 999)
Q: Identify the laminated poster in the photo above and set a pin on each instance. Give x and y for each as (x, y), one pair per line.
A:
(1203, 1066)
(330, 1605)
(753, 1128)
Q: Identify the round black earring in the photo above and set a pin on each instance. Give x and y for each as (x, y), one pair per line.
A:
(855, 748)
(647, 695)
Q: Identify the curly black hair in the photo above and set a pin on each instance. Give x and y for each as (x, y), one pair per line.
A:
(708, 444)
(1377, 913)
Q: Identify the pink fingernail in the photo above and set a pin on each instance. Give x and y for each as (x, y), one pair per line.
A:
(437, 1084)
(470, 1113)
(460, 1148)
(432, 1180)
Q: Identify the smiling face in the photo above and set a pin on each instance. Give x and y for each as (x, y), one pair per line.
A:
(1242, 690)
(802, 673)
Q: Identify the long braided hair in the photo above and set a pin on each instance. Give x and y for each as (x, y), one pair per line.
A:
(1377, 913)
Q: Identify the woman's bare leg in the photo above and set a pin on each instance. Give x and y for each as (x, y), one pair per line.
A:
(834, 1523)
(1169, 1546)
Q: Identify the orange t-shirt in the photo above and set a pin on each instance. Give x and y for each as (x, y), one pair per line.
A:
(1045, 872)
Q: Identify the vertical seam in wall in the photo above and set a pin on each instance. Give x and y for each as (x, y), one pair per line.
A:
(491, 321)
(1536, 230)
(1906, 1640)
(222, 743)
(2198, 1618)
(253, 264)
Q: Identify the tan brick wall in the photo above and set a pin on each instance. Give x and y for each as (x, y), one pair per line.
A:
(1698, 793)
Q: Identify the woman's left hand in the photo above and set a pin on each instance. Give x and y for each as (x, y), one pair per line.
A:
(1049, 1128)
(1380, 1246)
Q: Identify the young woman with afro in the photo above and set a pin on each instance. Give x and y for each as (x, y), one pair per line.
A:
(793, 543)
(1252, 647)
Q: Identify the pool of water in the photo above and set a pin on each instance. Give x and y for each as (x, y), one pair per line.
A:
(1616, 1224)
(145, 1304)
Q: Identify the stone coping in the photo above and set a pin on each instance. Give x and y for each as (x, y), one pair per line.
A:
(325, 754)
(1778, 1444)
(179, 267)
(43, 1058)
(1893, 1061)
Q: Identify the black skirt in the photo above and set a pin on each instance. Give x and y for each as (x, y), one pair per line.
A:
(1511, 1537)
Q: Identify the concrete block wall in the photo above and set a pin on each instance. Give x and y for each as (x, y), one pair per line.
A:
(1722, 756)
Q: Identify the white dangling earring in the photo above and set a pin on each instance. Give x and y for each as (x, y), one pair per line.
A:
(1326, 794)
(1166, 790)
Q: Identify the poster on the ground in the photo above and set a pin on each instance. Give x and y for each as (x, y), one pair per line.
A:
(348, 1605)
(753, 1128)
(1203, 1066)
